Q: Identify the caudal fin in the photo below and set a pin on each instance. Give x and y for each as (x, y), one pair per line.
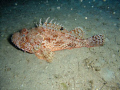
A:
(96, 40)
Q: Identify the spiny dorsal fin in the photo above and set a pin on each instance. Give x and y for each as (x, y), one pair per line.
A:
(52, 26)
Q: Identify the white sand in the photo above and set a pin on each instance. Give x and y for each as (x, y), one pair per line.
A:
(97, 68)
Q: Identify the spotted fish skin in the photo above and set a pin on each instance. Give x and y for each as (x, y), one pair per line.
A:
(49, 37)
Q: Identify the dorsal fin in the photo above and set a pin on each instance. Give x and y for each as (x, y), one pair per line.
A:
(78, 32)
(51, 26)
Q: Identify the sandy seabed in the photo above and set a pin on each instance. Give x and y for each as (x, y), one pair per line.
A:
(96, 68)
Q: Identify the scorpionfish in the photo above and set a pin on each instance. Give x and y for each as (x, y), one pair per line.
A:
(49, 37)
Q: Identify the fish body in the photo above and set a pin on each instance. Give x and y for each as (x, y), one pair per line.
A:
(50, 37)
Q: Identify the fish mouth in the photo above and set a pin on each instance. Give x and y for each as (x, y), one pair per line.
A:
(16, 38)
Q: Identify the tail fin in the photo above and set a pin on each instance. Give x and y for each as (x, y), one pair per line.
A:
(96, 40)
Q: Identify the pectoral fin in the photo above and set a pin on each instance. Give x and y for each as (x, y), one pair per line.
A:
(45, 54)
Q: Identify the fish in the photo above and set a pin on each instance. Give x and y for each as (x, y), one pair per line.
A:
(48, 37)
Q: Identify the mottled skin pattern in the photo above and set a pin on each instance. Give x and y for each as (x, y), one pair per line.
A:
(49, 37)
